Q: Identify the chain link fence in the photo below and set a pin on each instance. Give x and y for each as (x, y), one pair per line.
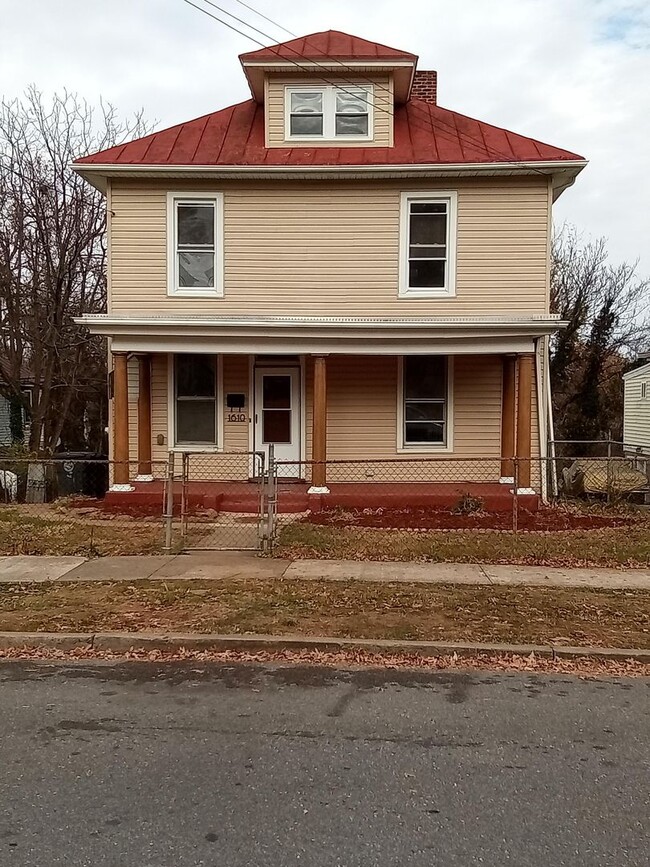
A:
(450, 493)
(222, 500)
(242, 500)
(58, 506)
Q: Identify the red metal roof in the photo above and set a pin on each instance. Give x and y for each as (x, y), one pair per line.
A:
(331, 44)
(425, 134)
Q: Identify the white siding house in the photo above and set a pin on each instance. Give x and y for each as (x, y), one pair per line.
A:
(636, 407)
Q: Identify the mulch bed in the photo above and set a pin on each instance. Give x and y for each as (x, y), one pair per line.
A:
(544, 520)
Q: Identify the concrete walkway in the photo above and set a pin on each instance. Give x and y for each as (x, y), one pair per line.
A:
(220, 565)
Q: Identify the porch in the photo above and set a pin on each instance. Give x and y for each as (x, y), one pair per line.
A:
(323, 391)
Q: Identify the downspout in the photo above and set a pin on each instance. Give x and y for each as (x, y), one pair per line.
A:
(551, 423)
(542, 432)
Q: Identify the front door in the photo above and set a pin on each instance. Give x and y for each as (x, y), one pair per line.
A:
(277, 415)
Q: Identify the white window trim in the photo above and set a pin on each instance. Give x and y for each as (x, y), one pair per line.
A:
(329, 113)
(431, 448)
(173, 288)
(171, 409)
(450, 197)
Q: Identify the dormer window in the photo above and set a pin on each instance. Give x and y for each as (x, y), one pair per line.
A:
(329, 113)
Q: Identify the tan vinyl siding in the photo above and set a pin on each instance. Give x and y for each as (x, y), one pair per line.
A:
(274, 105)
(361, 421)
(236, 373)
(636, 412)
(333, 249)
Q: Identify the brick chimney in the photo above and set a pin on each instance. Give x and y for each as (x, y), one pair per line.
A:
(425, 85)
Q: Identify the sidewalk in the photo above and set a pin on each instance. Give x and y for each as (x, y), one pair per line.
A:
(220, 565)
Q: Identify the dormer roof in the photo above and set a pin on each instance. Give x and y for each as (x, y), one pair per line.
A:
(329, 51)
(329, 44)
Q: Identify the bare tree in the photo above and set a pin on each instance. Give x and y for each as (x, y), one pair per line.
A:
(607, 308)
(52, 254)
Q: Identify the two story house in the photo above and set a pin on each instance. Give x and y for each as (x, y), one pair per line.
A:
(338, 266)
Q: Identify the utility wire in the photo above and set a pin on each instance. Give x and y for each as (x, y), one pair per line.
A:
(266, 18)
(455, 132)
(448, 131)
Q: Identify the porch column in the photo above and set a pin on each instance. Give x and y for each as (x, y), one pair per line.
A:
(144, 418)
(319, 427)
(524, 402)
(508, 418)
(121, 421)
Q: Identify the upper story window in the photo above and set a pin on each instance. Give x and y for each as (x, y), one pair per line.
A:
(427, 244)
(329, 113)
(195, 243)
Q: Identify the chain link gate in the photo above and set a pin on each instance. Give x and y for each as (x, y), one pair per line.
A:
(221, 501)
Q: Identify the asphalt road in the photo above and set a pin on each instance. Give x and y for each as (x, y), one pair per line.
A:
(141, 765)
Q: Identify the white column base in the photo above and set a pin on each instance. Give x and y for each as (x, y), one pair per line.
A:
(120, 489)
(317, 490)
(144, 478)
(525, 491)
(507, 480)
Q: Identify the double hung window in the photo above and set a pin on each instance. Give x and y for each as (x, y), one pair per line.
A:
(195, 399)
(425, 401)
(329, 113)
(428, 232)
(195, 231)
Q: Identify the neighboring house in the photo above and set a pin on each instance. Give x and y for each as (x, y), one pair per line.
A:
(6, 437)
(338, 266)
(636, 408)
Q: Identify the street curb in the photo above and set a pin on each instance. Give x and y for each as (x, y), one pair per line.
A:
(122, 642)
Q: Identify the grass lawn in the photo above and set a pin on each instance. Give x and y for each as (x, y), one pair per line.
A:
(607, 546)
(617, 618)
(56, 531)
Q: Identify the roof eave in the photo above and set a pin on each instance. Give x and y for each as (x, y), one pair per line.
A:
(563, 172)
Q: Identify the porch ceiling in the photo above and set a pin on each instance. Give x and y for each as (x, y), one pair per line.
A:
(349, 336)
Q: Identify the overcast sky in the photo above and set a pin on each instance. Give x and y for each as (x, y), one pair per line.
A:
(575, 73)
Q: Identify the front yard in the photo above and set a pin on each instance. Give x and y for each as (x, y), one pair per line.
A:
(619, 618)
(561, 535)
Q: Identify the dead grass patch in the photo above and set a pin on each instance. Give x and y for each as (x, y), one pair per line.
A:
(608, 546)
(57, 531)
(615, 618)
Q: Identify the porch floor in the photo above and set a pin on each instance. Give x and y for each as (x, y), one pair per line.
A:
(243, 497)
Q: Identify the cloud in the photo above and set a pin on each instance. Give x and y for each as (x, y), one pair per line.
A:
(571, 72)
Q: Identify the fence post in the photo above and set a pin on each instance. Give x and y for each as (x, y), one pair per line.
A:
(609, 471)
(515, 495)
(169, 504)
(271, 502)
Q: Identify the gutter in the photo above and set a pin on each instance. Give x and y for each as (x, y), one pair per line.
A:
(564, 170)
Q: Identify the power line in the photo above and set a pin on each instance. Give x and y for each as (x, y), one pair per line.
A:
(454, 136)
(266, 18)
(455, 132)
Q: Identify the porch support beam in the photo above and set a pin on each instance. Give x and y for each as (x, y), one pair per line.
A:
(144, 418)
(319, 428)
(524, 420)
(121, 421)
(508, 407)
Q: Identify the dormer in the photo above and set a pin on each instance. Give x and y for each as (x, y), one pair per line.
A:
(329, 89)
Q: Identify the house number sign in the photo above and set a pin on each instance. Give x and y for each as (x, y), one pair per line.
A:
(236, 403)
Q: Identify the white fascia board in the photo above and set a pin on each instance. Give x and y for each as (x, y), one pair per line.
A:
(330, 345)
(534, 322)
(315, 335)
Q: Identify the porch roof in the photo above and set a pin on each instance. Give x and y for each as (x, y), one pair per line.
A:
(327, 334)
